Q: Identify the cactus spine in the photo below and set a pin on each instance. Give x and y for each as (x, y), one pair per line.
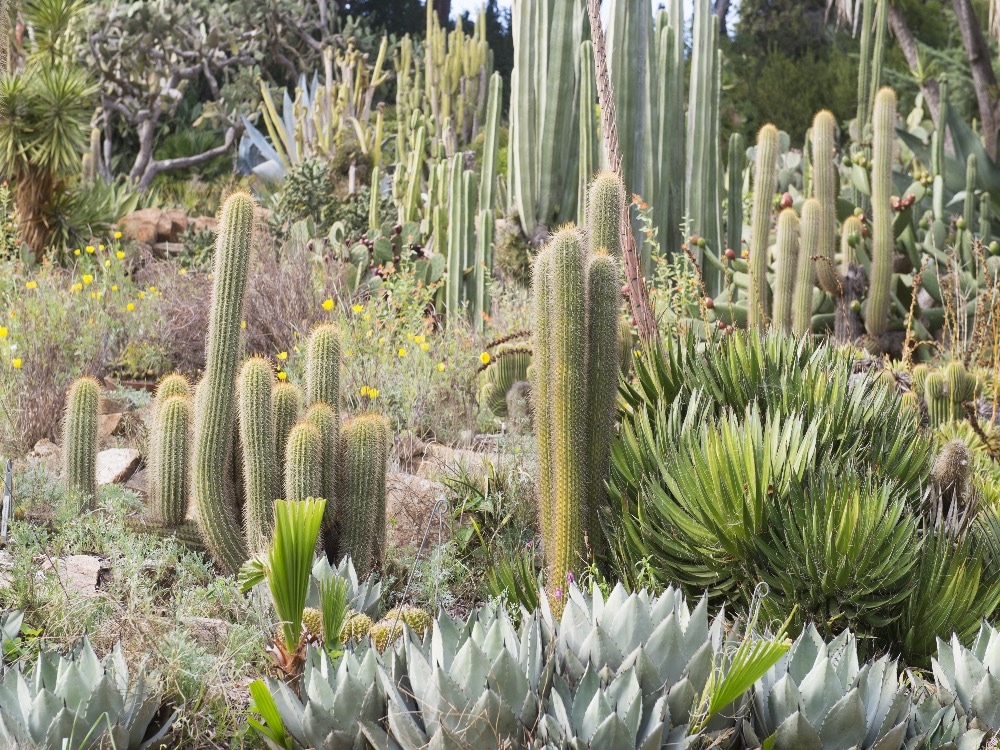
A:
(812, 223)
(303, 463)
(218, 516)
(256, 415)
(880, 286)
(763, 186)
(961, 388)
(169, 460)
(287, 410)
(605, 201)
(825, 188)
(323, 366)
(365, 450)
(83, 405)
(787, 260)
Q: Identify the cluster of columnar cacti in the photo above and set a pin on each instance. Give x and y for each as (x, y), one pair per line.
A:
(253, 448)
(83, 407)
(945, 391)
(577, 288)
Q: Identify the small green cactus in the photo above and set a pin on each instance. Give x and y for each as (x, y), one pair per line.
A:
(83, 405)
(327, 421)
(171, 385)
(255, 394)
(508, 364)
(935, 394)
(415, 618)
(365, 451)
(764, 184)
(883, 241)
(850, 237)
(824, 146)
(812, 217)
(323, 366)
(312, 622)
(384, 633)
(952, 470)
(287, 412)
(357, 625)
(605, 204)
(303, 463)
(961, 386)
(169, 460)
(788, 254)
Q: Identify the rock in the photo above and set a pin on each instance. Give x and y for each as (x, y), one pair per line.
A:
(117, 465)
(179, 223)
(139, 482)
(408, 448)
(163, 250)
(45, 448)
(440, 460)
(82, 573)
(410, 500)
(141, 225)
(208, 631)
(108, 425)
(205, 224)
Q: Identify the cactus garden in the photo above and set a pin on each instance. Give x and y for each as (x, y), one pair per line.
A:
(555, 374)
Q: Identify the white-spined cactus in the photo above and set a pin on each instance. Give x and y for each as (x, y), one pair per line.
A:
(817, 696)
(75, 702)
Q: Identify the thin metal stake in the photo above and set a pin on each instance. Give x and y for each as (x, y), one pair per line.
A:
(8, 498)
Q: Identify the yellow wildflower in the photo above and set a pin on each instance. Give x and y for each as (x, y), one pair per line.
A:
(243, 324)
(130, 307)
(114, 287)
(425, 346)
(152, 290)
(77, 287)
(440, 366)
(402, 352)
(364, 390)
(16, 362)
(366, 317)
(107, 264)
(373, 393)
(181, 271)
(120, 255)
(381, 339)
(282, 374)
(87, 279)
(420, 338)
(3, 332)
(32, 285)
(141, 295)
(76, 252)
(328, 304)
(282, 356)
(118, 235)
(90, 249)
(358, 308)
(484, 358)
(100, 247)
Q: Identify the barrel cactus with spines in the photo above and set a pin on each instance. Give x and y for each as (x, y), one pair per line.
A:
(327, 421)
(255, 394)
(961, 386)
(605, 203)
(287, 412)
(811, 227)
(83, 407)
(764, 185)
(415, 618)
(824, 146)
(787, 248)
(883, 242)
(357, 625)
(169, 460)
(303, 465)
(938, 403)
(323, 366)
(365, 454)
(508, 365)
(217, 512)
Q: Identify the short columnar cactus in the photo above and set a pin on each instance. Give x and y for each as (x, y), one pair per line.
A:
(169, 460)
(883, 241)
(303, 463)
(214, 494)
(83, 405)
(287, 412)
(850, 236)
(256, 417)
(812, 216)
(935, 394)
(605, 203)
(787, 262)
(824, 146)
(327, 421)
(365, 451)
(323, 366)
(764, 184)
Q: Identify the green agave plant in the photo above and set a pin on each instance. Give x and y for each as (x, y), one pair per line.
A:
(76, 702)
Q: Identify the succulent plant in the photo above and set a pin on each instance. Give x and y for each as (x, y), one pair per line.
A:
(76, 701)
(764, 184)
(255, 393)
(508, 364)
(384, 633)
(83, 404)
(415, 618)
(365, 446)
(169, 456)
(883, 243)
(357, 626)
(312, 621)
(819, 696)
(288, 400)
(968, 678)
(365, 597)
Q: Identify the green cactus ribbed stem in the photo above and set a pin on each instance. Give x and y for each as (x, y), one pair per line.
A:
(812, 222)
(985, 219)
(883, 242)
(327, 421)
(380, 535)
(323, 365)
(605, 203)
(255, 396)
(491, 143)
(850, 232)
(508, 365)
(373, 200)
(787, 249)
(734, 194)
(961, 388)
(483, 267)
(365, 453)
(218, 516)
(457, 237)
(288, 404)
(169, 459)
(83, 405)
(303, 463)
(588, 128)
(541, 386)
(604, 301)
(764, 184)
(569, 404)
(172, 385)
(414, 172)
(964, 242)
(938, 403)
(824, 134)
(919, 378)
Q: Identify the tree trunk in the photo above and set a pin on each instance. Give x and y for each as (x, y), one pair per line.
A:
(722, 10)
(908, 44)
(983, 78)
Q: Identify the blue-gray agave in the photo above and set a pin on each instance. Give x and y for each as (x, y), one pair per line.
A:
(968, 677)
(77, 702)
(817, 697)
(362, 596)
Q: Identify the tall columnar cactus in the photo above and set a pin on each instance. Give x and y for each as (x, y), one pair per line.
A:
(588, 128)
(491, 143)
(541, 388)
(83, 405)
(256, 414)
(303, 463)
(787, 248)
(169, 459)
(850, 235)
(483, 270)
(812, 223)
(323, 366)
(883, 242)
(327, 421)
(218, 516)
(764, 184)
(365, 454)
(605, 204)
(824, 145)
(734, 193)
(287, 412)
